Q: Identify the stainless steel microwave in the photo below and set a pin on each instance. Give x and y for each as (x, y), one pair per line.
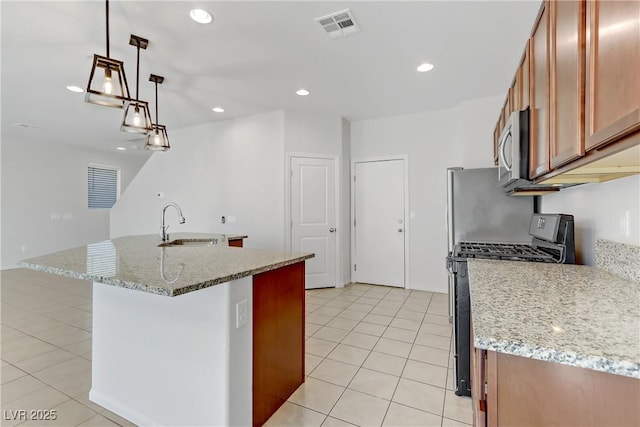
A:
(513, 151)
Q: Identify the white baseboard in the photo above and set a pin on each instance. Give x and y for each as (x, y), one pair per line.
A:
(121, 409)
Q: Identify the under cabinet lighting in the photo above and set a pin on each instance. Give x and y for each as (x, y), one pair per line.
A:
(201, 16)
(302, 92)
(218, 109)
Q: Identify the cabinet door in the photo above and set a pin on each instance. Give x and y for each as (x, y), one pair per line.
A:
(524, 78)
(539, 96)
(505, 111)
(613, 63)
(567, 32)
(478, 398)
(514, 93)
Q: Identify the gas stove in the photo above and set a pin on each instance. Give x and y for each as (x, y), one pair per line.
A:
(552, 242)
(503, 251)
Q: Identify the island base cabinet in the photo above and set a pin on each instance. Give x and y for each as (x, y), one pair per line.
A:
(535, 393)
(278, 338)
(237, 243)
(160, 361)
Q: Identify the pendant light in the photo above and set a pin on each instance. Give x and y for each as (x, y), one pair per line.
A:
(136, 113)
(107, 82)
(158, 139)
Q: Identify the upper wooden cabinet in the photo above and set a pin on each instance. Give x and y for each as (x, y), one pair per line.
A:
(566, 67)
(539, 95)
(523, 74)
(612, 71)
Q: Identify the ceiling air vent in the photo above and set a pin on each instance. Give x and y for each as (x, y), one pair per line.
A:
(339, 24)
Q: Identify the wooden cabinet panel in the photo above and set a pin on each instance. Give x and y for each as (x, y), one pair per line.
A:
(613, 61)
(539, 96)
(535, 393)
(514, 93)
(278, 338)
(524, 78)
(478, 402)
(567, 31)
(236, 243)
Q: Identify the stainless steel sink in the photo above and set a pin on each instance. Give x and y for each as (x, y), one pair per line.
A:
(190, 242)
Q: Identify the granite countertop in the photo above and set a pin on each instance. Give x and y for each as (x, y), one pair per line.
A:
(136, 262)
(571, 314)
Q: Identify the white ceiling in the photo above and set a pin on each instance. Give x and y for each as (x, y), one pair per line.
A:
(251, 59)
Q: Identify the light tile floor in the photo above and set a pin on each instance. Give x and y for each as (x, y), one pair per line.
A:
(375, 356)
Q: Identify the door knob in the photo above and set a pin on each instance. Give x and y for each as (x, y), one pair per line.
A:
(399, 230)
(331, 230)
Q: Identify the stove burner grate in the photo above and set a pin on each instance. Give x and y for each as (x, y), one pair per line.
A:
(505, 251)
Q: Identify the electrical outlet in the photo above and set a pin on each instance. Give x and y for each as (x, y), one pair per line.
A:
(24, 248)
(231, 219)
(625, 224)
(241, 313)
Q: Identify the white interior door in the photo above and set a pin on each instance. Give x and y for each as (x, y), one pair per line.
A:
(379, 228)
(313, 218)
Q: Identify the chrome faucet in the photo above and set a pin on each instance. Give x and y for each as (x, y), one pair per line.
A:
(164, 234)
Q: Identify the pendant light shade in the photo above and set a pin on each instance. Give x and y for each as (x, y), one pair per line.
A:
(136, 113)
(107, 84)
(158, 139)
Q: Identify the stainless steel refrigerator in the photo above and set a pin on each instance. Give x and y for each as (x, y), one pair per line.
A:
(478, 210)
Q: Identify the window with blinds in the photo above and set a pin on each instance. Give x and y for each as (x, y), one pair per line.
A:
(104, 186)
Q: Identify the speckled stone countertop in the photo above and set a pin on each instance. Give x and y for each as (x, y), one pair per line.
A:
(571, 314)
(136, 262)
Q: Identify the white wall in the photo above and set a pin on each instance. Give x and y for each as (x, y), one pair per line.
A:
(345, 202)
(233, 168)
(41, 181)
(598, 210)
(433, 141)
(310, 133)
(477, 122)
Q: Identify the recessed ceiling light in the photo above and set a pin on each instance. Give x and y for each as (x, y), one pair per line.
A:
(201, 16)
(77, 89)
(218, 109)
(120, 148)
(423, 68)
(302, 92)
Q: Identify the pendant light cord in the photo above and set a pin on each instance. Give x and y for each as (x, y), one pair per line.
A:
(138, 71)
(156, 103)
(107, 14)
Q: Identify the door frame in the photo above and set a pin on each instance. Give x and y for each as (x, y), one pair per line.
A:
(405, 159)
(287, 205)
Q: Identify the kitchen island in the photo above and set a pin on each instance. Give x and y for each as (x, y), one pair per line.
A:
(553, 344)
(194, 333)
